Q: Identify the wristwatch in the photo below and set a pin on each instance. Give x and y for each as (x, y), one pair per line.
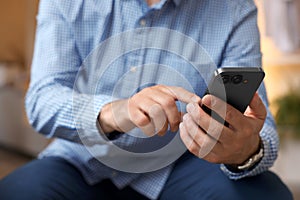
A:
(248, 164)
(253, 159)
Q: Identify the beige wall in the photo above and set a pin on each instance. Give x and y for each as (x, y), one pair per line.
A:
(282, 69)
(17, 20)
(271, 54)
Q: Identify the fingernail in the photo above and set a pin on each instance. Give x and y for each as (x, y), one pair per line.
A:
(195, 99)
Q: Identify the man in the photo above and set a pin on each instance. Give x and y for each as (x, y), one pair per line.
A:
(91, 108)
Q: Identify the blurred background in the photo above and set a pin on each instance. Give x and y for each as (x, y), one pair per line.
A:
(279, 23)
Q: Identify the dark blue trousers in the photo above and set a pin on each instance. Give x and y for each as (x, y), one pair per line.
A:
(192, 179)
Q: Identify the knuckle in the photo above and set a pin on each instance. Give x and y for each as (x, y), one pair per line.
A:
(156, 111)
(141, 120)
(158, 87)
(168, 103)
(147, 90)
(132, 114)
(229, 113)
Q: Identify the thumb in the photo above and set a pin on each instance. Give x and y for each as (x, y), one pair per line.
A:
(257, 107)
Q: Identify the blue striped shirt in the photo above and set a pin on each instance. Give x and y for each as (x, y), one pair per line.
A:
(64, 104)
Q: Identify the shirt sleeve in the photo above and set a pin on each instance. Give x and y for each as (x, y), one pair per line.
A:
(243, 49)
(53, 107)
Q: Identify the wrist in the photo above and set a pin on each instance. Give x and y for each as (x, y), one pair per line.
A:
(104, 120)
(251, 162)
(254, 159)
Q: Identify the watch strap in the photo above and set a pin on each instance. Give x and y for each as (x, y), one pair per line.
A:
(250, 162)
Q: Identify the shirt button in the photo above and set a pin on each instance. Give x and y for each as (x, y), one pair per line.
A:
(143, 22)
(133, 69)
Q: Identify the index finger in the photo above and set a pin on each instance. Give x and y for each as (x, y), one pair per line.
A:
(182, 94)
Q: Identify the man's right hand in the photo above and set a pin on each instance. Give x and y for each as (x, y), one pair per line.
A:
(153, 110)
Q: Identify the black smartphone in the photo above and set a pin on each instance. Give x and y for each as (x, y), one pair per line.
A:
(235, 85)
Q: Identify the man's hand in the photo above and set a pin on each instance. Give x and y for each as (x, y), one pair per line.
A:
(207, 138)
(153, 110)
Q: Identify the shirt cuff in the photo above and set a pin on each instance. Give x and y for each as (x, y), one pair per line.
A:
(110, 136)
(260, 167)
(86, 119)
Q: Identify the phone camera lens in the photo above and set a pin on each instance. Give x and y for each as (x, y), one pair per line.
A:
(237, 79)
(225, 79)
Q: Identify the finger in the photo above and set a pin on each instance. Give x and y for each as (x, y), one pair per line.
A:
(136, 114)
(166, 97)
(164, 129)
(192, 146)
(193, 130)
(159, 119)
(181, 94)
(140, 119)
(205, 141)
(148, 129)
(120, 115)
(169, 108)
(211, 126)
(209, 150)
(257, 108)
(231, 115)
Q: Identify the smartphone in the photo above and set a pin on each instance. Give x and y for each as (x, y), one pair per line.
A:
(235, 85)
